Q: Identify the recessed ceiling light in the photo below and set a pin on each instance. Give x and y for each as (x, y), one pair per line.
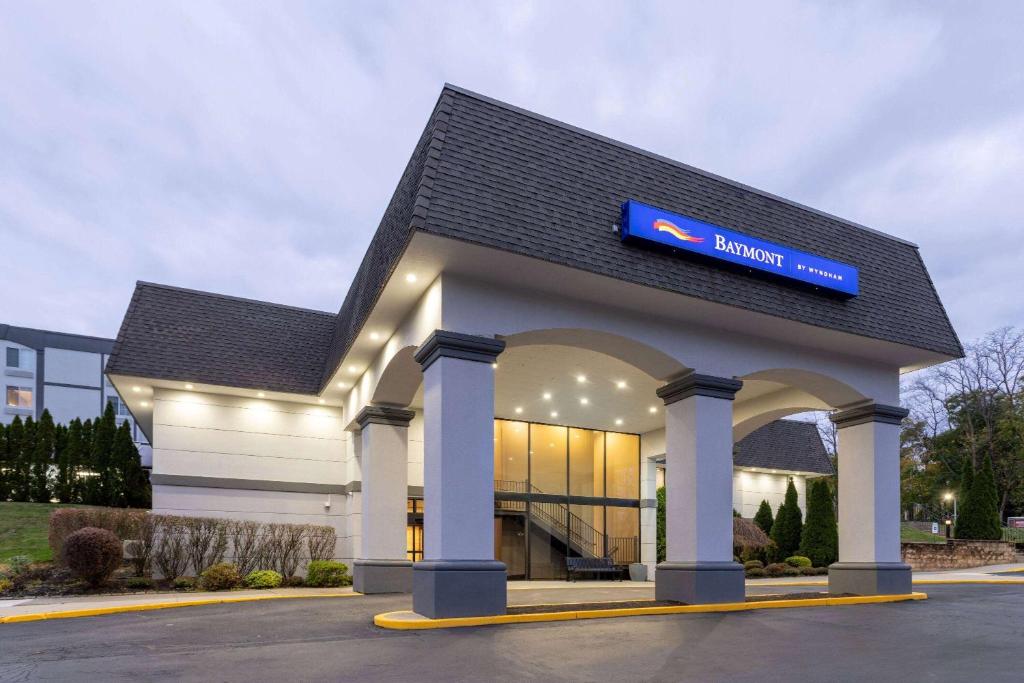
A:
(374, 336)
(189, 387)
(618, 421)
(546, 396)
(581, 378)
(136, 389)
(353, 369)
(145, 404)
(411, 277)
(260, 394)
(652, 409)
(621, 384)
(322, 401)
(519, 410)
(342, 385)
(554, 413)
(584, 401)
(494, 365)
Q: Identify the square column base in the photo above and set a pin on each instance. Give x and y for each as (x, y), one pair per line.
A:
(870, 578)
(459, 588)
(382, 576)
(700, 583)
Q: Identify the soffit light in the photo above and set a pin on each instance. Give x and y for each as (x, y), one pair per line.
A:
(620, 384)
(652, 409)
(546, 396)
(519, 410)
(581, 378)
(584, 401)
(618, 421)
(374, 336)
(145, 404)
(554, 413)
(189, 387)
(342, 385)
(136, 389)
(260, 394)
(322, 401)
(353, 369)
(411, 278)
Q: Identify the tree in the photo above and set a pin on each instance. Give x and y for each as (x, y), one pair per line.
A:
(42, 458)
(965, 514)
(130, 479)
(86, 470)
(820, 538)
(985, 503)
(661, 549)
(21, 458)
(764, 518)
(102, 488)
(4, 493)
(68, 457)
(788, 526)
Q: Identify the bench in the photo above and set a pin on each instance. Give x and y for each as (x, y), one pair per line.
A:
(593, 565)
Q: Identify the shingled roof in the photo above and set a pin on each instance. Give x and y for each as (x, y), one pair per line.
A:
(492, 174)
(181, 334)
(784, 445)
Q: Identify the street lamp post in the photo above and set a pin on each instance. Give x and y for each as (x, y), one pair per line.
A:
(950, 497)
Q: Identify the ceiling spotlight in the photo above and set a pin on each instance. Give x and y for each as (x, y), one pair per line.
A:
(546, 396)
(584, 401)
(410, 278)
(136, 389)
(652, 409)
(353, 369)
(554, 413)
(189, 387)
(374, 336)
(519, 410)
(494, 365)
(322, 401)
(581, 378)
(621, 384)
(260, 394)
(342, 385)
(145, 404)
(618, 421)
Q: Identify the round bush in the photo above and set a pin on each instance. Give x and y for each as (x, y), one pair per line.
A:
(5, 584)
(220, 577)
(791, 571)
(755, 573)
(93, 554)
(775, 569)
(798, 561)
(753, 564)
(327, 574)
(821, 571)
(263, 578)
(808, 571)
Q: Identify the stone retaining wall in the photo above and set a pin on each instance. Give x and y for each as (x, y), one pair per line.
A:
(958, 554)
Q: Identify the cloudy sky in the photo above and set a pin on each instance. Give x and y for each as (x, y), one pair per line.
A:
(251, 149)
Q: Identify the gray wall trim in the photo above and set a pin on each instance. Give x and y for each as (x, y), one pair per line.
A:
(73, 386)
(694, 384)
(40, 393)
(392, 416)
(41, 339)
(16, 372)
(872, 412)
(648, 503)
(442, 343)
(415, 491)
(247, 484)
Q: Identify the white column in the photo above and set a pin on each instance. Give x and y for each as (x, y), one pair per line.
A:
(870, 559)
(698, 492)
(649, 515)
(382, 566)
(459, 575)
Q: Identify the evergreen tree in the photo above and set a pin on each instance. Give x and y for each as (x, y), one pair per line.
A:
(68, 457)
(965, 513)
(764, 518)
(788, 526)
(86, 470)
(820, 538)
(3, 463)
(42, 458)
(22, 461)
(15, 444)
(103, 489)
(661, 547)
(132, 482)
(985, 503)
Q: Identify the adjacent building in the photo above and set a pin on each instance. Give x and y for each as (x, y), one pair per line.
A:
(544, 319)
(62, 373)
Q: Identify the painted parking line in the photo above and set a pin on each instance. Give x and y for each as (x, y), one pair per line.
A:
(410, 621)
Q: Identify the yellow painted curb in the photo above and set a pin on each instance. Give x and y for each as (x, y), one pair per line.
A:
(917, 582)
(145, 607)
(410, 621)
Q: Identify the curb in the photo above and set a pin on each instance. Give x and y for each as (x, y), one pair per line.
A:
(150, 606)
(410, 621)
(916, 582)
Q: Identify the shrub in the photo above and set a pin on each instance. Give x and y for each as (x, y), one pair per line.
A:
(788, 526)
(764, 518)
(246, 544)
(122, 522)
(808, 571)
(220, 577)
(19, 564)
(184, 583)
(755, 573)
(327, 574)
(820, 538)
(798, 561)
(93, 554)
(321, 541)
(263, 578)
(775, 569)
(140, 548)
(206, 540)
(289, 541)
(139, 583)
(753, 564)
(293, 581)
(170, 554)
(790, 571)
(821, 571)
(5, 584)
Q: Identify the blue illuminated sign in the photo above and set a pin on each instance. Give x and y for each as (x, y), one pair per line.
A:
(646, 223)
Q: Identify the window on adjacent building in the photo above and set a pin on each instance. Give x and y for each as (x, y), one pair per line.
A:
(120, 408)
(13, 357)
(19, 397)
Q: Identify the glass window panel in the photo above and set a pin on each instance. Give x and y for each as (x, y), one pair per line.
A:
(547, 540)
(510, 455)
(623, 534)
(19, 397)
(548, 459)
(510, 543)
(12, 357)
(623, 465)
(586, 462)
(586, 530)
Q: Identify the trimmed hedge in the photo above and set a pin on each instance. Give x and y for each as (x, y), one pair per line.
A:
(798, 561)
(775, 569)
(327, 574)
(93, 554)
(220, 577)
(755, 573)
(753, 564)
(790, 571)
(262, 578)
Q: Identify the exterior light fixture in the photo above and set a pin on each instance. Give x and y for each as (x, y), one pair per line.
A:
(546, 396)
(519, 410)
(136, 389)
(621, 384)
(260, 394)
(584, 401)
(652, 409)
(342, 385)
(618, 421)
(374, 336)
(145, 404)
(581, 378)
(554, 413)
(353, 369)
(494, 365)
(189, 387)
(322, 401)
(411, 278)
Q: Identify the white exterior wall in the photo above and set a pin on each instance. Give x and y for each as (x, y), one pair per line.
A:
(750, 488)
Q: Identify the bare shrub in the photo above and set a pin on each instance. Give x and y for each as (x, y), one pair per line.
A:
(246, 538)
(268, 556)
(171, 552)
(291, 540)
(141, 547)
(321, 541)
(122, 522)
(206, 540)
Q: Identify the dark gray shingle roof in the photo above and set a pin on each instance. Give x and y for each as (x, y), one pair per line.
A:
(182, 334)
(784, 445)
(492, 174)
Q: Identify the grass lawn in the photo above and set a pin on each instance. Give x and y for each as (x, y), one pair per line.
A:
(23, 530)
(909, 534)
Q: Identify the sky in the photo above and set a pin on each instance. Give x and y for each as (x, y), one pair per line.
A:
(250, 149)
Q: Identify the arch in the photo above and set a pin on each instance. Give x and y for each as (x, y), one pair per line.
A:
(648, 359)
(830, 391)
(400, 379)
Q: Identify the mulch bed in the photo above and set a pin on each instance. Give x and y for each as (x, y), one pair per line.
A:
(630, 604)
